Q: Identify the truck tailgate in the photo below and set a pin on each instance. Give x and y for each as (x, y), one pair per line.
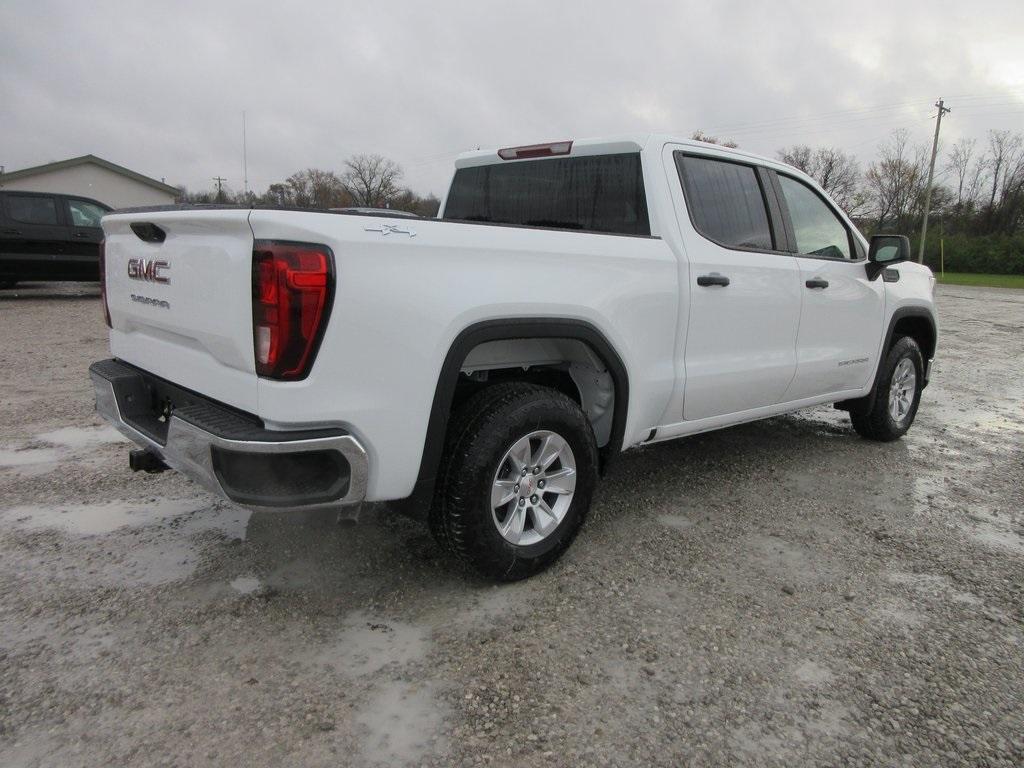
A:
(181, 308)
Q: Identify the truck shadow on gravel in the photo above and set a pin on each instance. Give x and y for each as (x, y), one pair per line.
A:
(656, 494)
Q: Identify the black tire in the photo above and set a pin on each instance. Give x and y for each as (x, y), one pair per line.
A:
(876, 422)
(480, 433)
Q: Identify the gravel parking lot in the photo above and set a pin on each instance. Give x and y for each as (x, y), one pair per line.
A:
(782, 593)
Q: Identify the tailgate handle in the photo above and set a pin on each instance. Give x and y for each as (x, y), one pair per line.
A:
(151, 233)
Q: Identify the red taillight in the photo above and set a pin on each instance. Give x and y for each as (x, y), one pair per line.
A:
(103, 282)
(535, 150)
(292, 286)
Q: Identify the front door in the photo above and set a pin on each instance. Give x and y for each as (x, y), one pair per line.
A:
(744, 292)
(841, 320)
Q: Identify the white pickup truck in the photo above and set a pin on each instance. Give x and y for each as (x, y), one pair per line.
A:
(571, 301)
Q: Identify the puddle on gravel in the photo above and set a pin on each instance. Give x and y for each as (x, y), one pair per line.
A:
(937, 492)
(679, 522)
(164, 538)
(896, 612)
(780, 558)
(102, 518)
(403, 722)
(245, 585)
(29, 461)
(813, 673)
(367, 644)
(490, 605)
(82, 437)
(936, 585)
(995, 532)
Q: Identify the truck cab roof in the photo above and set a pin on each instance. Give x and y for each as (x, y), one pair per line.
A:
(607, 145)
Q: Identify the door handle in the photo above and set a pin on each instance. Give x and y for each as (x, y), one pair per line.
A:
(713, 279)
(816, 282)
(81, 234)
(10, 231)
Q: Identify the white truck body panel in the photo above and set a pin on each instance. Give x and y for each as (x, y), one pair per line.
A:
(400, 302)
(203, 339)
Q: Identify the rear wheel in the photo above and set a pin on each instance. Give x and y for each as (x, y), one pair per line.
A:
(897, 394)
(516, 482)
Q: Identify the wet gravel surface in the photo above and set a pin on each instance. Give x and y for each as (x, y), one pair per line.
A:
(782, 593)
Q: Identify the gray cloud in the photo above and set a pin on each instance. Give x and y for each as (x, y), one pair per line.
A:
(161, 87)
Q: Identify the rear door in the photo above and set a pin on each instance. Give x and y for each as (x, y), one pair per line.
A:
(179, 289)
(841, 319)
(83, 246)
(34, 235)
(744, 290)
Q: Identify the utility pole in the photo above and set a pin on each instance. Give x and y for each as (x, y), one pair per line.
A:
(245, 160)
(220, 180)
(943, 109)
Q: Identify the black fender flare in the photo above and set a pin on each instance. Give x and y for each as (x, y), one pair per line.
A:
(502, 329)
(905, 312)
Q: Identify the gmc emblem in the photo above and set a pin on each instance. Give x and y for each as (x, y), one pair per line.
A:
(151, 271)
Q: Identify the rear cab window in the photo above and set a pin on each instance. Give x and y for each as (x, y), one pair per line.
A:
(590, 193)
(726, 202)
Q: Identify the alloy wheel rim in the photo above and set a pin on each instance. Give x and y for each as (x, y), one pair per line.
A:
(533, 487)
(902, 389)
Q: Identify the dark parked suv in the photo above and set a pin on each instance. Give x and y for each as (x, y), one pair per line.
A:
(49, 237)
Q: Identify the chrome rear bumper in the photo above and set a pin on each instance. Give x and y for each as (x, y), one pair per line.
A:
(230, 453)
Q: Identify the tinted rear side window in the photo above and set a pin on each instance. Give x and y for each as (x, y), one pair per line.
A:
(599, 193)
(725, 201)
(29, 209)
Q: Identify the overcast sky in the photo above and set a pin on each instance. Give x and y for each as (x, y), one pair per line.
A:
(160, 87)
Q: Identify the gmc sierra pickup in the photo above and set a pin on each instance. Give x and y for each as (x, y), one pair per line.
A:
(572, 300)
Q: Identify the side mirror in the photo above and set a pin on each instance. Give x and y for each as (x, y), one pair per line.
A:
(886, 250)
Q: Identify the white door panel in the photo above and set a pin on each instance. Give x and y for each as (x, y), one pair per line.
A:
(837, 345)
(841, 320)
(740, 345)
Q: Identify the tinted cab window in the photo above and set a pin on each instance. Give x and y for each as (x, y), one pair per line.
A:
(726, 202)
(599, 193)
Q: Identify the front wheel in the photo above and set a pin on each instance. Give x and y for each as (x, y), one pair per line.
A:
(516, 481)
(897, 394)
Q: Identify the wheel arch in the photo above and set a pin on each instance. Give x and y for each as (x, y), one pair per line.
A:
(916, 322)
(503, 329)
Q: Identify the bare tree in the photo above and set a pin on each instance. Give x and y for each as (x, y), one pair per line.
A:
(314, 188)
(371, 180)
(895, 182)
(278, 194)
(407, 200)
(1005, 161)
(699, 135)
(837, 172)
(960, 164)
